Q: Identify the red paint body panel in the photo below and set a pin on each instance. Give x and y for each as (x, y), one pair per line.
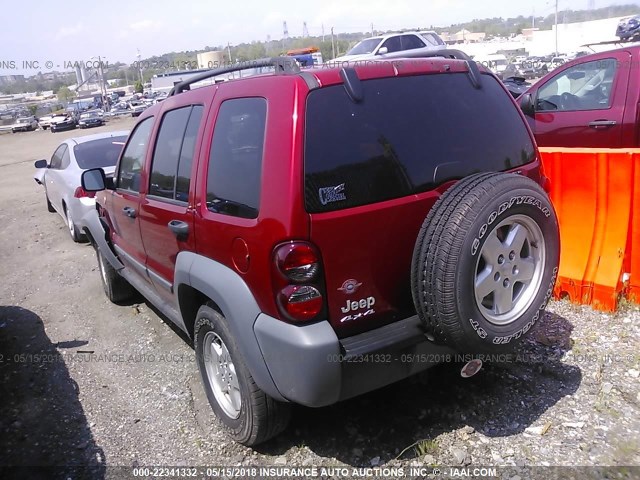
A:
(571, 128)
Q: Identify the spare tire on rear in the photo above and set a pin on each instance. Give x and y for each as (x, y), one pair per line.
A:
(485, 262)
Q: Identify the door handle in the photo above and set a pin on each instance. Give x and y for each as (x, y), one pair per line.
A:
(602, 123)
(179, 228)
(129, 212)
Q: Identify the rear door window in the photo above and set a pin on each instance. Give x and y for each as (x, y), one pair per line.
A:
(408, 135)
(173, 153)
(235, 164)
(411, 42)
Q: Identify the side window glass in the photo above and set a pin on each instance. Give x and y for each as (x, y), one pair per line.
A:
(393, 44)
(186, 154)
(167, 152)
(132, 159)
(56, 159)
(587, 86)
(173, 154)
(411, 42)
(66, 159)
(235, 163)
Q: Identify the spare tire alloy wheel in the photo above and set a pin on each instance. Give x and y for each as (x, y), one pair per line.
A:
(485, 262)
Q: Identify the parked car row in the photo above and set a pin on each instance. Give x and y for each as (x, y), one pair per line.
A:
(58, 122)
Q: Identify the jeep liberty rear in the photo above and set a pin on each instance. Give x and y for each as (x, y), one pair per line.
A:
(312, 231)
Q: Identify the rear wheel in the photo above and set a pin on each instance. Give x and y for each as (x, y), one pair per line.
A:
(248, 414)
(76, 235)
(486, 262)
(116, 288)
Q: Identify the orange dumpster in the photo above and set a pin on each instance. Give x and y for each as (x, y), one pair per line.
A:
(634, 236)
(593, 193)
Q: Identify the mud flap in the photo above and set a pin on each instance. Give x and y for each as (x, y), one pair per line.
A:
(91, 223)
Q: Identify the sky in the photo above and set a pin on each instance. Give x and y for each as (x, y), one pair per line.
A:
(52, 33)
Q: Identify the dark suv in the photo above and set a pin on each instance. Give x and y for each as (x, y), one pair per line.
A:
(323, 233)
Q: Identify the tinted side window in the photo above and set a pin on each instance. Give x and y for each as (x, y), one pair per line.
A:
(132, 159)
(187, 152)
(393, 44)
(66, 159)
(382, 147)
(173, 154)
(586, 86)
(235, 164)
(167, 152)
(410, 42)
(56, 159)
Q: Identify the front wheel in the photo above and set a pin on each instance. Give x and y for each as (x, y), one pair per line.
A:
(248, 414)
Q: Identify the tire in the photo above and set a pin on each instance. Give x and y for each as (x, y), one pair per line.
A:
(249, 416)
(485, 262)
(76, 236)
(116, 288)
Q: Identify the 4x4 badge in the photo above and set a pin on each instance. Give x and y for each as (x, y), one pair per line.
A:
(350, 286)
(331, 194)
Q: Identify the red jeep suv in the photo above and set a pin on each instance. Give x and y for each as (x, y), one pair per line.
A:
(325, 232)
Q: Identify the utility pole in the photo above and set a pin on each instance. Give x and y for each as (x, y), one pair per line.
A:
(533, 18)
(229, 52)
(372, 29)
(556, 28)
(140, 68)
(333, 45)
(323, 32)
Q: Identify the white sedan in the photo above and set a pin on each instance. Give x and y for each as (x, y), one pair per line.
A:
(61, 176)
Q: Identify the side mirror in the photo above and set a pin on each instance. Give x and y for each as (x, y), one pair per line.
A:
(94, 180)
(382, 51)
(527, 106)
(41, 164)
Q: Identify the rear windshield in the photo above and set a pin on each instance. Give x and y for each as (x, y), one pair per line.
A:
(99, 153)
(408, 135)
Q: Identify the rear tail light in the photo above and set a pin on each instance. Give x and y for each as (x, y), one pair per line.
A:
(82, 193)
(298, 281)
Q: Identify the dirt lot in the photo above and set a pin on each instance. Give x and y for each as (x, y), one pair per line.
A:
(572, 396)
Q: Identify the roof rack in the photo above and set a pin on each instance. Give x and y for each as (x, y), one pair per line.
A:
(283, 65)
(610, 42)
(444, 52)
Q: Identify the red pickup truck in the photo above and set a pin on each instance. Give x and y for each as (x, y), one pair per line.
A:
(589, 102)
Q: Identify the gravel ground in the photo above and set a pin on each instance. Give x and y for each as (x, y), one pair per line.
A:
(571, 397)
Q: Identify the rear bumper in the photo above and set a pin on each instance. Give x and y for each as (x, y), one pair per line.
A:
(311, 366)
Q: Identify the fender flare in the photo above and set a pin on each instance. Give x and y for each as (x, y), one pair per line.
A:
(232, 295)
(92, 225)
